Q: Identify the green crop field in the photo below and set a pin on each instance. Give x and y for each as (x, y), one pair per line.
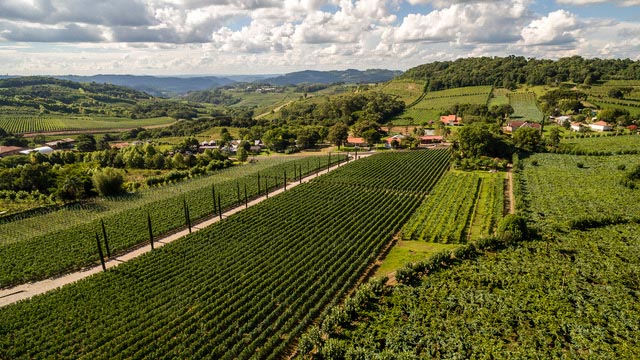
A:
(460, 202)
(245, 287)
(25, 123)
(48, 244)
(413, 116)
(596, 144)
(525, 107)
(407, 91)
(442, 100)
(568, 293)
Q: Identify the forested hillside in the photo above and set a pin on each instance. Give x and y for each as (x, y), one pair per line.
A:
(513, 70)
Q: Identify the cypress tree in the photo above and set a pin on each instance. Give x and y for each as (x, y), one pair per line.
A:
(213, 194)
(106, 241)
(104, 267)
(150, 229)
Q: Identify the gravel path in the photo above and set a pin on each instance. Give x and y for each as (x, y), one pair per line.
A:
(25, 291)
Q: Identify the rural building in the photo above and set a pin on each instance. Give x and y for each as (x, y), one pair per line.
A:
(431, 139)
(451, 120)
(119, 145)
(561, 120)
(515, 125)
(45, 150)
(600, 126)
(576, 126)
(356, 141)
(61, 144)
(207, 145)
(10, 150)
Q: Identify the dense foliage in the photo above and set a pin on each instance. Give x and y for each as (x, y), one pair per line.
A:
(370, 106)
(514, 70)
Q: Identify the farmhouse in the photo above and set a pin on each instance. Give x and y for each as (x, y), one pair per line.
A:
(431, 139)
(600, 126)
(515, 125)
(61, 144)
(356, 141)
(576, 126)
(120, 145)
(10, 150)
(451, 120)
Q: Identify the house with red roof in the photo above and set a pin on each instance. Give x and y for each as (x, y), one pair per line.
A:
(451, 120)
(600, 126)
(10, 150)
(356, 141)
(515, 125)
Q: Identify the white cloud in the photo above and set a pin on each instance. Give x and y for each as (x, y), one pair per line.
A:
(590, 2)
(558, 28)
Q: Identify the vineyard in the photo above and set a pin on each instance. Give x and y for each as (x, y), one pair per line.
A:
(591, 191)
(245, 287)
(458, 202)
(25, 123)
(54, 242)
(525, 106)
(568, 294)
(390, 171)
(443, 100)
(601, 144)
(406, 91)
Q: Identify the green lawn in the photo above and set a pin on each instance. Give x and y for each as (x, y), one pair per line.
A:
(408, 251)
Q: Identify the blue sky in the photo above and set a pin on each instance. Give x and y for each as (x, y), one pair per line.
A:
(167, 37)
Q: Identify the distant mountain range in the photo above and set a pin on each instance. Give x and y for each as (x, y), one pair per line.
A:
(178, 85)
(155, 85)
(350, 76)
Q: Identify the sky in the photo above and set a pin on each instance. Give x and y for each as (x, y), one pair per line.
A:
(216, 37)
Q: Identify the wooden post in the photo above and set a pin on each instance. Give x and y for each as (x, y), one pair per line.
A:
(186, 213)
(285, 180)
(266, 187)
(219, 207)
(259, 192)
(246, 202)
(104, 267)
(300, 173)
(238, 190)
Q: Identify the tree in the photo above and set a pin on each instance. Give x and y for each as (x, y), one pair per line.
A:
(242, 154)
(108, 181)
(526, 138)
(86, 143)
(225, 136)
(554, 136)
(338, 134)
(371, 136)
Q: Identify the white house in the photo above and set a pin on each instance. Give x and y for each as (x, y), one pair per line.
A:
(600, 126)
(561, 120)
(576, 126)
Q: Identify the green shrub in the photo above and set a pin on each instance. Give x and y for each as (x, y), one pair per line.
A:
(512, 228)
(108, 181)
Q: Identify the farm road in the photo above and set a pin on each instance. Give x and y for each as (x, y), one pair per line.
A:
(28, 290)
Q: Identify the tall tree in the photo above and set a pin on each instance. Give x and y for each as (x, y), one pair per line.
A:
(338, 134)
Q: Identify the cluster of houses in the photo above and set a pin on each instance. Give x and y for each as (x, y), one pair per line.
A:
(47, 148)
(231, 147)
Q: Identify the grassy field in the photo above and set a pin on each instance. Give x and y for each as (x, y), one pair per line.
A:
(499, 97)
(415, 116)
(404, 252)
(525, 107)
